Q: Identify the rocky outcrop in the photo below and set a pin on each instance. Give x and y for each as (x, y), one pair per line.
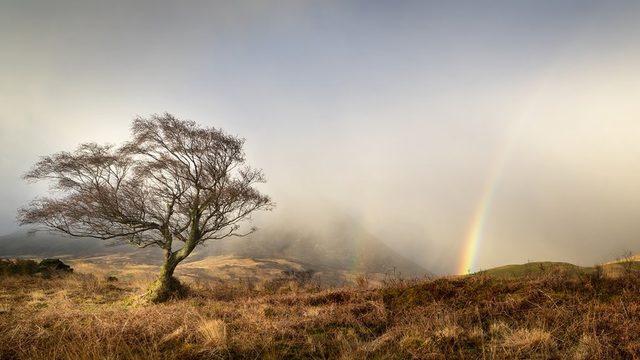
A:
(50, 265)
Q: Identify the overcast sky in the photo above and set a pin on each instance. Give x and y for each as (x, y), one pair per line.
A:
(400, 114)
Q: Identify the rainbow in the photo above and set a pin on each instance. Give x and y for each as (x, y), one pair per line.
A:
(475, 234)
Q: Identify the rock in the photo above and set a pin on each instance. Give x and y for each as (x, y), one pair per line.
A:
(48, 265)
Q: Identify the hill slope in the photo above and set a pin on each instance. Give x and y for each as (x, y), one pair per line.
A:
(557, 317)
(336, 255)
(540, 268)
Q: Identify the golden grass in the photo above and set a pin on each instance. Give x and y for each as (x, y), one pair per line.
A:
(213, 332)
(87, 317)
(588, 347)
(525, 339)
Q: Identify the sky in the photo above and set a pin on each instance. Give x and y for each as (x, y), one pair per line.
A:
(464, 134)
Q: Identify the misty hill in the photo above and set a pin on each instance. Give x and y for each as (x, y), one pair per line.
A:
(346, 247)
(47, 244)
(540, 268)
(535, 268)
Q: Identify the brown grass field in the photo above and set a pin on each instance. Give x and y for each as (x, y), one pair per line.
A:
(555, 315)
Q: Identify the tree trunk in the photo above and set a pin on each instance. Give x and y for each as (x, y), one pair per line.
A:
(165, 285)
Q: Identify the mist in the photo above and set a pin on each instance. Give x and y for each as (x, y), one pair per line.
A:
(398, 117)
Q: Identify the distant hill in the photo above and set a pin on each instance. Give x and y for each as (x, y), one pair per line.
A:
(48, 244)
(533, 269)
(344, 246)
(345, 249)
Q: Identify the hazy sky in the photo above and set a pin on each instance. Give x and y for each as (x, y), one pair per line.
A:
(403, 115)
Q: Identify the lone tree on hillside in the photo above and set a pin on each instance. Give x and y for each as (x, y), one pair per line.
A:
(174, 183)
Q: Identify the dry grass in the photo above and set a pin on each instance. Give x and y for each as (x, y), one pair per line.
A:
(87, 317)
(528, 339)
(213, 332)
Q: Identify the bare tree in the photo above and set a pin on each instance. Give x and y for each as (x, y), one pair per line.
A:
(174, 183)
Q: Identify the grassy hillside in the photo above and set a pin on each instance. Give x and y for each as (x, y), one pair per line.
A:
(534, 269)
(541, 268)
(550, 316)
(221, 269)
(346, 249)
